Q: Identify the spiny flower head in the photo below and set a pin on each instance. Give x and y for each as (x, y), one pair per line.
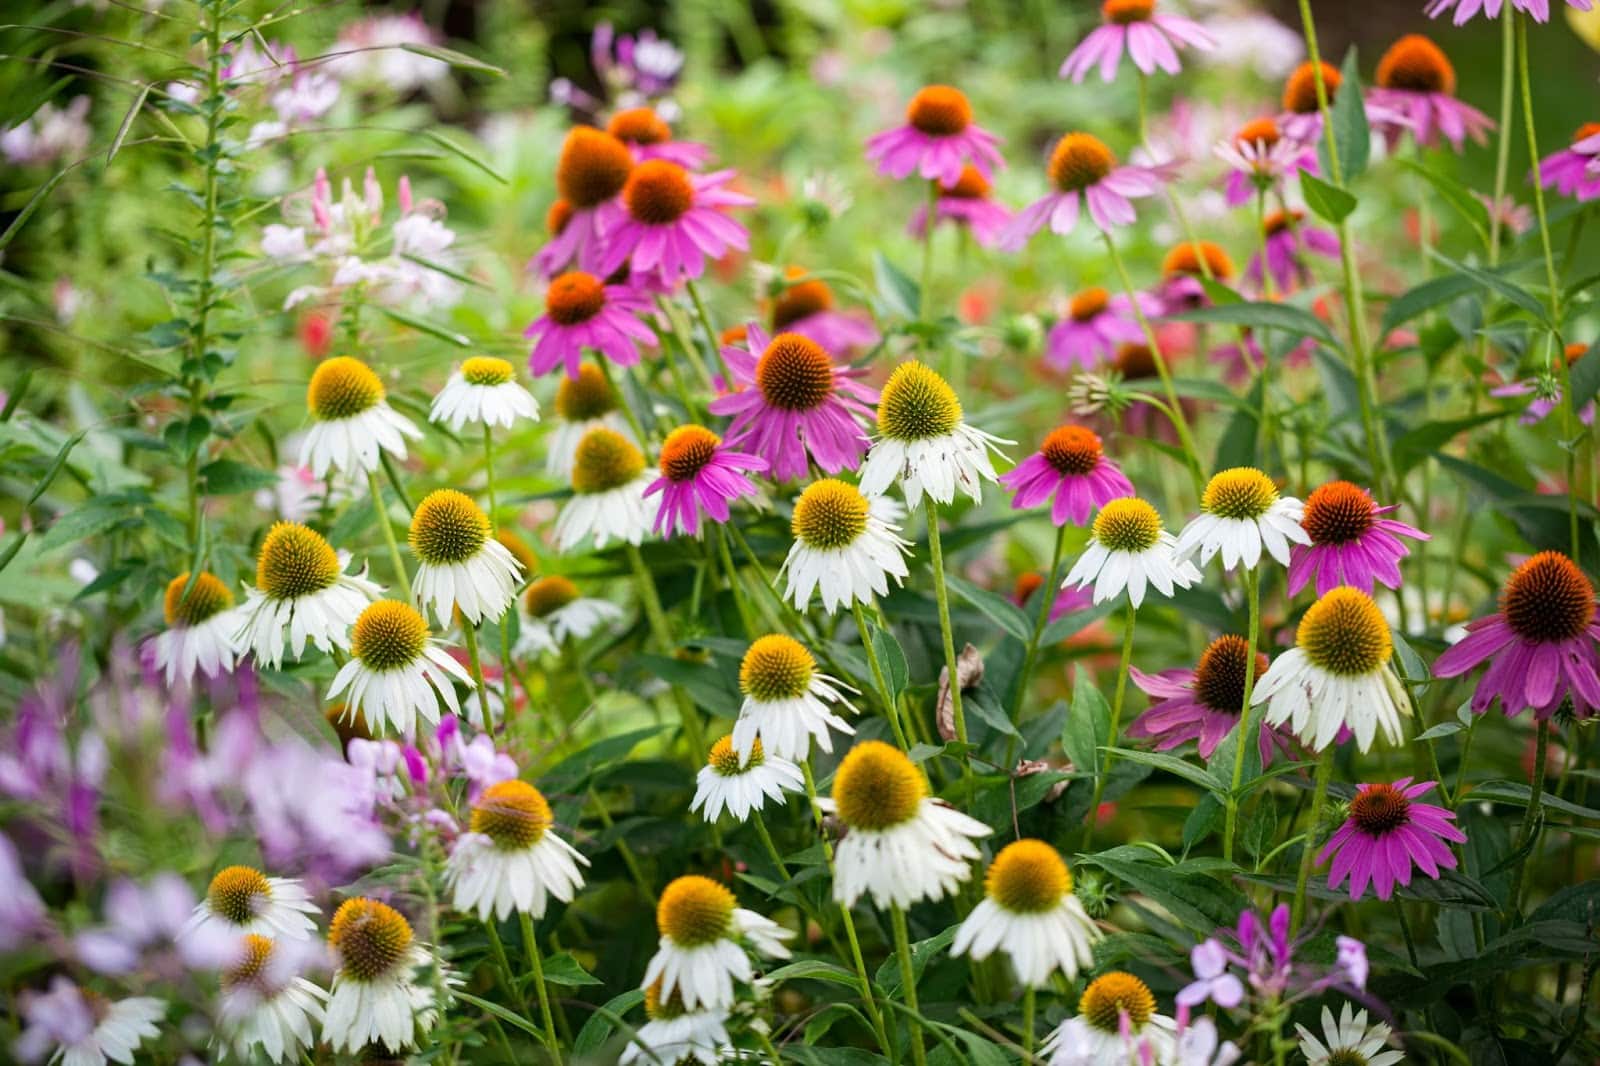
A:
(605, 460)
(877, 787)
(794, 373)
(686, 451)
(549, 594)
(587, 396)
(1548, 599)
(1080, 160)
(1028, 877)
(1242, 492)
(343, 387)
(388, 635)
(206, 598)
(939, 111)
(370, 938)
(777, 667)
(1128, 525)
(1345, 633)
(593, 167)
(917, 404)
(237, 893)
(448, 527)
(513, 814)
(1415, 64)
(295, 561)
(829, 514)
(1112, 995)
(695, 911)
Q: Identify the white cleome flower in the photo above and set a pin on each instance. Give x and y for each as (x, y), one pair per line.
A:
(608, 501)
(267, 1009)
(376, 997)
(459, 563)
(1350, 1040)
(786, 701)
(673, 1034)
(202, 629)
(554, 612)
(301, 587)
(902, 845)
(703, 949)
(741, 784)
(511, 860)
(352, 424)
(396, 673)
(1337, 675)
(484, 391)
(1241, 513)
(242, 900)
(1116, 1025)
(841, 547)
(1030, 913)
(923, 442)
(1130, 550)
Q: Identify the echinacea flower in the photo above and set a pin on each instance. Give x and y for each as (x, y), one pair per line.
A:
(608, 483)
(1151, 38)
(806, 305)
(1242, 513)
(741, 785)
(1203, 704)
(1337, 676)
(1349, 1040)
(242, 900)
(673, 1033)
(301, 586)
(69, 1026)
(1070, 465)
(1083, 170)
(1465, 9)
(1130, 550)
(1302, 113)
(1386, 834)
(267, 1010)
(700, 477)
(1417, 80)
(1541, 644)
(352, 424)
(202, 628)
(554, 612)
(1184, 267)
(1571, 170)
(1029, 912)
(511, 859)
(924, 443)
(840, 547)
(1289, 240)
(1096, 322)
(592, 169)
(484, 390)
(786, 701)
(1260, 159)
(460, 566)
(396, 671)
(966, 205)
(1546, 392)
(937, 140)
(648, 136)
(1351, 542)
(702, 950)
(583, 402)
(1116, 1023)
(668, 222)
(583, 312)
(792, 405)
(376, 996)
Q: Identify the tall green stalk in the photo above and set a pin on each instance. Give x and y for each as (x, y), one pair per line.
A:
(1253, 593)
(942, 596)
(1116, 723)
(1308, 856)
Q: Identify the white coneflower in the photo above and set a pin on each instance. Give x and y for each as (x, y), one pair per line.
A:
(924, 443)
(786, 701)
(582, 403)
(903, 846)
(459, 563)
(267, 1009)
(701, 953)
(742, 784)
(301, 586)
(1130, 550)
(352, 425)
(1350, 1041)
(608, 501)
(376, 998)
(841, 547)
(75, 1027)
(1241, 512)
(1116, 1023)
(554, 612)
(511, 860)
(1337, 675)
(1030, 913)
(484, 390)
(396, 672)
(202, 628)
(675, 1034)
(241, 900)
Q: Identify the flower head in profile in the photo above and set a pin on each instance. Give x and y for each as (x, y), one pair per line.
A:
(301, 586)
(202, 631)
(938, 139)
(648, 136)
(1129, 549)
(242, 900)
(1116, 1022)
(673, 1033)
(786, 701)
(1352, 543)
(705, 942)
(1183, 269)
(396, 671)
(583, 402)
(1540, 645)
(700, 477)
(668, 222)
(352, 424)
(1302, 110)
(966, 205)
(1386, 833)
(731, 782)
(267, 1008)
(1539, 10)
(1203, 704)
(460, 564)
(1417, 80)
(1350, 1039)
(78, 1028)
(1572, 171)
(1071, 466)
(582, 312)
(377, 997)
(483, 390)
(1242, 513)
(805, 304)
(1545, 388)
(554, 612)
(608, 484)
(590, 173)
(1096, 322)
(1151, 38)
(1029, 913)
(1260, 160)
(924, 443)
(842, 547)
(1288, 244)
(1084, 172)
(511, 859)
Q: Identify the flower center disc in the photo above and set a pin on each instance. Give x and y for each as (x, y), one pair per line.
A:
(1135, 361)
(1338, 513)
(1128, 525)
(206, 598)
(971, 185)
(1548, 599)
(694, 911)
(251, 964)
(1108, 997)
(574, 298)
(658, 1009)
(1185, 260)
(877, 787)
(1079, 160)
(775, 668)
(1089, 304)
(794, 373)
(1585, 131)
(725, 761)
(604, 460)
(639, 125)
(557, 217)
(1278, 221)
(939, 111)
(658, 193)
(1124, 12)
(548, 595)
(1219, 677)
(687, 451)
(236, 893)
(486, 370)
(1344, 1056)
(388, 635)
(586, 396)
(1072, 450)
(917, 404)
(1243, 492)
(1028, 877)
(513, 814)
(829, 514)
(1300, 91)
(1380, 809)
(1261, 131)
(1415, 64)
(295, 561)
(800, 300)
(448, 528)
(370, 937)
(1345, 633)
(343, 387)
(593, 167)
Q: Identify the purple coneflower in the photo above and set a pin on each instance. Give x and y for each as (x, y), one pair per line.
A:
(1151, 40)
(1095, 323)
(1302, 116)
(1571, 171)
(1288, 242)
(1546, 393)
(1416, 79)
(592, 170)
(1465, 9)
(668, 222)
(699, 474)
(1072, 466)
(1541, 642)
(806, 306)
(966, 204)
(1351, 543)
(648, 136)
(1081, 166)
(1183, 268)
(581, 311)
(1203, 704)
(1260, 158)
(1387, 833)
(938, 139)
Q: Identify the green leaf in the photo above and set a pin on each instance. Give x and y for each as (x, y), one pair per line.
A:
(922, 951)
(1517, 795)
(225, 477)
(454, 58)
(127, 121)
(1328, 201)
(814, 970)
(1412, 668)
(1351, 133)
(1239, 441)
(892, 658)
(999, 610)
(598, 1028)
(1415, 445)
(55, 468)
(562, 969)
(1200, 902)
(1171, 764)
(12, 549)
(1496, 283)
(510, 1017)
(1585, 378)
(34, 203)
(1263, 315)
(432, 329)
(461, 153)
(1088, 725)
(1442, 730)
(1457, 195)
(1424, 298)
(899, 293)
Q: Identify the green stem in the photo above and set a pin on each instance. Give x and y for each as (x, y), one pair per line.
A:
(1253, 592)
(629, 859)
(1047, 596)
(470, 632)
(890, 706)
(663, 637)
(746, 617)
(711, 333)
(908, 981)
(924, 292)
(1028, 997)
(942, 596)
(766, 839)
(388, 536)
(1531, 818)
(530, 946)
(1116, 724)
(507, 975)
(1308, 857)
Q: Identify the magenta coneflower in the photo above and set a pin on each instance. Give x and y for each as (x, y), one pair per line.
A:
(1416, 80)
(1151, 40)
(648, 136)
(1541, 642)
(581, 311)
(806, 306)
(1072, 466)
(1182, 270)
(592, 170)
(1569, 171)
(1465, 9)
(1302, 116)
(1546, 393)
(938, 139)
(1260, 159)
(793, 405)
(966, 205)
(1351, 542)
(1387, 833)
(699, 474)
(1288, 243)
(668, 222)
(1081, 166)
(1095, 324)
(1203, 704)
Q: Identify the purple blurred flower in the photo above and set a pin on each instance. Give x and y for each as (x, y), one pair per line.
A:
(938, 139)
(1289, 242)
(1095, 324)
(21, 910)
(1465, 9)
(1212, 982)
(1152, 40)
(149, 917)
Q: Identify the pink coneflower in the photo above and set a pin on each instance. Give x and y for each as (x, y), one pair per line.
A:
(1095, 323)
(1387, 833)
(1541, 642)
(1570, 171)
(1302, 117)
(1288, 242)
(1081, 166)
(1203, 704)
(648, 136)
(591, 172)
(806, 306)
(1182, 269)
(1351, 542)
(699, 474)
(1546, 393)
(1416, 80)
(966, 204)
(581, 311)
(1465, 9)
(792, 405)
(1151, 40)
(1072, 466)
(1260, 159)
(938, 139)
(668, 222)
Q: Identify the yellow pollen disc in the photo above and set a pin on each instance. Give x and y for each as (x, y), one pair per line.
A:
(593, 167)
(1243, 492)
(237, 893)
(343, 387)
(658, 1009)
(1416, 64)
(574, 297)
(917, 404)
(686, 451)
(548, 595)
(486, 370)
(800, 299)
(1072, 450)
(1089, 304)
(1079, 161)
(1548, 599)
(1260, 131)
(370, 937)
(1300, 91)
(557, 217)
(971, 185)
(725, 761)
(1110, 996)
(207, 597)
(1344, 633)
(518, 548)
(1124, 12)
(639, 125)
(388, 635)
(775, 668)
(1028, 877)
(448, 528)
(794, 373)
(1185, 259)
(658, 192)
(694, 911)
(295, 561)
(939, 111)
(829, 514)
(604, 460)
(1338, 513)
(877, 787)
(252, 962)
(1128, 524)
(513, 814)
(589, 395)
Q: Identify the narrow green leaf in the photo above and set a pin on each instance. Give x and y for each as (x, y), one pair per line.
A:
(1351, 131)
(461, 153)
(999, 610)
(1457, 195)
(898, 291)
(1197, 775)
(12, 549)
(55, 468)
(127, 121)
(34, 203)
(422, 325)
(562, 969)
(1263, 315)
(456, 59)
(1088, 725)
